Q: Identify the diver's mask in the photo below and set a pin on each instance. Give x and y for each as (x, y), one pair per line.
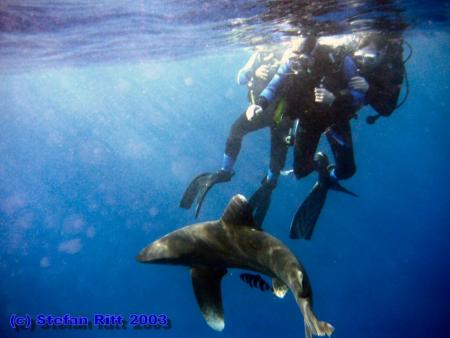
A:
(301, 63)
(367, 57)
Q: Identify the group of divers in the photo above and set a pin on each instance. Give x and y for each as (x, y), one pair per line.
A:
(311, 87)
(314, 87)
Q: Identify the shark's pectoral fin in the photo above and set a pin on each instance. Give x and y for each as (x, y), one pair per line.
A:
(206, 283)
(279, 288)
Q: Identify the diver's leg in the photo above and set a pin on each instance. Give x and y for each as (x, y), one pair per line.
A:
(340, 139)
(278, 145)
(239, 129)
(306, 141)
(260, 200)
(306, 161)
(305, 219)
(200, 186)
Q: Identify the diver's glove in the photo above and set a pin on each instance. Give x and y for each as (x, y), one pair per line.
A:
(359, 83)
(256, 108)
(262, 72)
(322, 95)
(252, 111)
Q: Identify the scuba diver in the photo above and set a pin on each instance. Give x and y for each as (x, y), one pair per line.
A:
(323, 89)
(380, 60)
(256, 74)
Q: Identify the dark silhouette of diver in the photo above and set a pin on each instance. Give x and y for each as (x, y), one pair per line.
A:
(258, 71)
(334, 76)
(380, 59)
(323, 89)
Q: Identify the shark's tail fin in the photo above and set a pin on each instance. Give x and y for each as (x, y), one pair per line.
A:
(313, 326)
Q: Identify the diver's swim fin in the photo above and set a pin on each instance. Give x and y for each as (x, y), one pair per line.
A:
(305, 218)
(337, 187)
(260, 201)
(192, 190)
(200, 186)
(204, 189)
(307, 214)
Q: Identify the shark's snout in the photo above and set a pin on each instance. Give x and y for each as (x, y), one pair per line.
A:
(157, 251)
(175, 248)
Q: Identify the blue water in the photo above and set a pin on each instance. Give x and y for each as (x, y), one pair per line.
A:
(96, 153)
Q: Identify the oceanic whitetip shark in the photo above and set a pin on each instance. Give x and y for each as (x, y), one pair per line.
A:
(234, 241)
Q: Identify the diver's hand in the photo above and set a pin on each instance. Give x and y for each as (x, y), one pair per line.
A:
(359, 83)
(262, 72)
(252, 111)
(324, 96)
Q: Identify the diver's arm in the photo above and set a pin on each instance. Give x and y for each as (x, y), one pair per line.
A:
(269, 94)
(357, 86)
(352, 96)
(245, 73)
(272, 90)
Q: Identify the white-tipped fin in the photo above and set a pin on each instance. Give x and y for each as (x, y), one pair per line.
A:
(206, 283)
(279, 288)
(214, 320)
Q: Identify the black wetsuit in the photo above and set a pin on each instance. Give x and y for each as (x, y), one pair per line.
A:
(332, 71)
(278, 131)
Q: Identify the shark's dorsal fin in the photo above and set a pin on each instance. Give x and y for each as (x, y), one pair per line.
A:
(238, 212)
(206, 283)
(279, 288)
